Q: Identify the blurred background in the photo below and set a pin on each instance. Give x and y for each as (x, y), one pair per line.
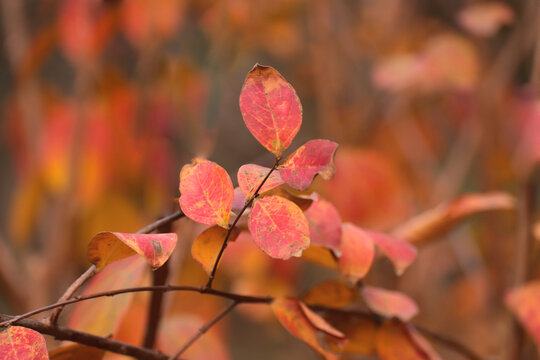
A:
(103, 102)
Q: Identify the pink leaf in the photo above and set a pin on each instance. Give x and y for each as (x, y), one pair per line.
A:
(324, 224)
(279, 227)
(20, 343)
(250, 177)
(389, 303)
(312, 158)
(486, 18)
(107, 247)
(400, 252)
(270, 108)
(206, 193)
(357, 252)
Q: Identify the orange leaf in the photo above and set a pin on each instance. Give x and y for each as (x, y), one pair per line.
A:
(206, 246)
(319, 323)
(359, 331)
(250, 177)
(399, 341)
(400, 253)
(324, 224)
(321, 256)
(279, 227)
(107, 247)
(20, 343)
(389, 303)
(312, 158)
(333, 293)
(357, 253)
(270, 108)
(437, 221)
(290, 314)
(206, 193)
(76, 352)
(524, 302)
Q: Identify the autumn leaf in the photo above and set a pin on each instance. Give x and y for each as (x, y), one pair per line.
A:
(389, 303)
(20, 343)
(107, 247)
(76, 352)
(312, 158)
(400, 253)
(324, 224)
(359, 331)
(444, 217)
(484, 19)
(206, 246)
(305, 324)
(270, 108)
(333, 293)
(524, 302)
(250, 177)
(321, 256)
(357, 252)
(279, 227)
(399, 341)
(206, 193)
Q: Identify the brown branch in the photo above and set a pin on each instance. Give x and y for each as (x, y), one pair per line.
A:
(203, 330)
(63, 333)
(246, 205)
(53, 319)
(238, 299)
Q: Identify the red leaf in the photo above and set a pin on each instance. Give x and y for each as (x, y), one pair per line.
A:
(20, 343)
(389, 303)
(279, 227)
(206, 246)
(324, 224)
(206, 193)
(290, 314)
(357, 252)
(312, 158)
(107, 247)
(524, 302)
(250, 177)
(401, 253)
(398, 341)
(270, 108)
(239, 200)
(319, 323)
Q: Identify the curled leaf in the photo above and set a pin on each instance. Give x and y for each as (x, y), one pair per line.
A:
(279, 227)
(398, 341)
(444, 217)
(324, 224)
(389, 303)
(270, 108)
(312, 158)
(107, 247)
(206, 246)
(206, 193)
(400, 253)
(291, 313)
(250, 177)
(357, 253)
(18, 343)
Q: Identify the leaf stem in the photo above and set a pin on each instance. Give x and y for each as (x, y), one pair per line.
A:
(246, 205)
(203, 330)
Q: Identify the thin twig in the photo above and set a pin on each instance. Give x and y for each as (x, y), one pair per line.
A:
(156, 302)
(63, 333)
(203, 330)
(246, 205)
(53, 318)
